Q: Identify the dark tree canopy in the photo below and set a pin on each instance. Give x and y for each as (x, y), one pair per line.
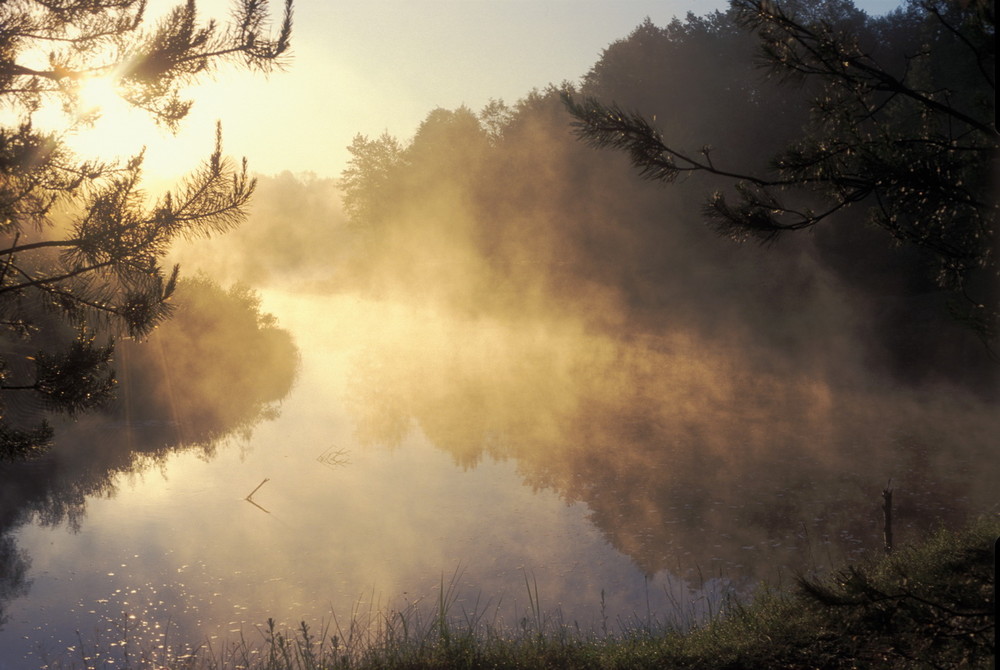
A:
(901, 134)
(519, 214)
(81, 246)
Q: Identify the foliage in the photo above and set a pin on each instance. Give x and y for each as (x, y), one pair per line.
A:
(382, 172)
(368, 175)
(76, 380)
(929, 605)
(518, 214)
(219, 339)
(901, 126)
(932, 601)
(80, 239)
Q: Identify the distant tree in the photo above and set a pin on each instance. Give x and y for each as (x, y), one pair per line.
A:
(370, 173)
(495, 117)
(902, 125)
(81, 249)
(448, 142)
(382, 171)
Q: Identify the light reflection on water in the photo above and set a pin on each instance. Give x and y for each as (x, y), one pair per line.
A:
(418, 448)
(179, 554)
(203, 562)
(207, 564)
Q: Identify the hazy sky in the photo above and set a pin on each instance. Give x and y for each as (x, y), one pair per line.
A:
(373, 66)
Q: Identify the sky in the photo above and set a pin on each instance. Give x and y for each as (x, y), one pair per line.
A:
(381, 66)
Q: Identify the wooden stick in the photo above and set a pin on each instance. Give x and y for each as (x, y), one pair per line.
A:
(887, 517)
(266, 480)
(267, 511)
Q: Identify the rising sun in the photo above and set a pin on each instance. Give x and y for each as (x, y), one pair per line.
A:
(95, 95)
(102, 125)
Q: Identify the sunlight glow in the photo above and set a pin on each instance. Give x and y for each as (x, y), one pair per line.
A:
(104, 126)
(97, 94)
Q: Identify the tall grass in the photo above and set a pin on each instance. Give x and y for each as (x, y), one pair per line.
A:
(926, 606)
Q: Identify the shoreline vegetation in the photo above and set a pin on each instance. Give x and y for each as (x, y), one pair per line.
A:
(931, 605)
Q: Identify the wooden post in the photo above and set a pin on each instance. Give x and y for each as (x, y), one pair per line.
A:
(887, 517)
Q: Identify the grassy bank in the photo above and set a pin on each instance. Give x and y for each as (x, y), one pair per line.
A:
(926, 606)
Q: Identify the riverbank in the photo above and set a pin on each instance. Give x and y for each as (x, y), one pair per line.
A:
(931, 605)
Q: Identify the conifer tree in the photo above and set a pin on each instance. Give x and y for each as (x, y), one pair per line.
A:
(902, 135)
(81, 247)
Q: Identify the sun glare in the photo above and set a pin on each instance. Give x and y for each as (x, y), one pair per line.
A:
(104, 126)
(97, 94)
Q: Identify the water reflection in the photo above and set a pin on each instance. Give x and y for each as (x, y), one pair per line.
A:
(650, 473)
(689, 457)
(168, 401)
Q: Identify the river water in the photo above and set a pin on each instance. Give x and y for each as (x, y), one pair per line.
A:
(626, 481)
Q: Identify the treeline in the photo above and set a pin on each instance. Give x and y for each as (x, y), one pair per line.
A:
(505, 210)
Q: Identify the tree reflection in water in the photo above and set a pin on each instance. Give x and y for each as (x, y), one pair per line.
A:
(691, 457)
(187, 388)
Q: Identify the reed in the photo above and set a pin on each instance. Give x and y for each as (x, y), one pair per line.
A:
(922, 606)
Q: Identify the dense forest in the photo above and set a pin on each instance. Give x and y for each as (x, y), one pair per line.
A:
(505, 209)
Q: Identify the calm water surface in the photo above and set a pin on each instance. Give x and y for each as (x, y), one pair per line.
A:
(175, 553)
(416, 450)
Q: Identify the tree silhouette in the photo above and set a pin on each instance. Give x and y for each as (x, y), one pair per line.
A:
(902, 126)
(81, 248)
(368, 178)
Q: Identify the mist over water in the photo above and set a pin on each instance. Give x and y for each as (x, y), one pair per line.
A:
(685, 457)
(496, 353)
(450, 419)
(337, 526)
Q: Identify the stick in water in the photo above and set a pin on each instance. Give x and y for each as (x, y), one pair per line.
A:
(266, 480)
(887, 517)
(249, 498)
